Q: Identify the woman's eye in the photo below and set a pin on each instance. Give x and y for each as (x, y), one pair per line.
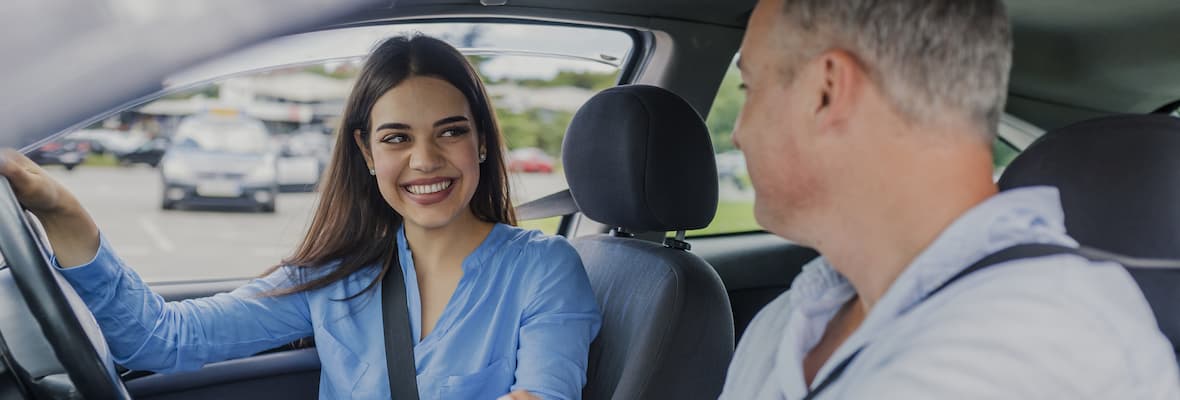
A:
(398, 138)
(453, 132)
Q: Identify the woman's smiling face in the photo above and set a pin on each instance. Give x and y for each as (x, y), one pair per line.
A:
(425, 150)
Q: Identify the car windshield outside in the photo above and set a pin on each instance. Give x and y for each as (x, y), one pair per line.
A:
(217, 178)
(220, 134)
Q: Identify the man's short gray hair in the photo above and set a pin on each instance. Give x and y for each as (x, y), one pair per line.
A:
(931, 57)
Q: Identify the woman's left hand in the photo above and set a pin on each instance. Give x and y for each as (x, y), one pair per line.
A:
(519, 395)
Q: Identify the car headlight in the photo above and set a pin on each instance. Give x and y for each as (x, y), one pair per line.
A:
(177, 171)
(263, 173)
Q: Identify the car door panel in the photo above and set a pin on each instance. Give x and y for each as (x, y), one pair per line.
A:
(755, 267)
(292, 374)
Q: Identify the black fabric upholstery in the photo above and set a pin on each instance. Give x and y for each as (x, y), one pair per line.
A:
(1121, 173)
(667, 331)
(1119, 179)
(640, 157)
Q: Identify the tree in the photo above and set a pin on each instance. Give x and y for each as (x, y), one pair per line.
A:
(724, 113)
(583, 79)
(535, 127)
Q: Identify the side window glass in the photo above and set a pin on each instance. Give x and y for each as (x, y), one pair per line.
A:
(735, 208)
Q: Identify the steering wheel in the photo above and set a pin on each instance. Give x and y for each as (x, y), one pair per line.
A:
(64, 321)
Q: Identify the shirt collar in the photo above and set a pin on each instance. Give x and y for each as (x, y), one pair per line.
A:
(480, 256)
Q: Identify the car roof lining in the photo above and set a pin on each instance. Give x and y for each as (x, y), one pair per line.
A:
(1071, 58)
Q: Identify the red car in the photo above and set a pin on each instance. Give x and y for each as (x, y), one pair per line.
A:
(530, 159)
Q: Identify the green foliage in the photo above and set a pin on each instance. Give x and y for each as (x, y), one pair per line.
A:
(731, 217)
(534, 128)
(1002, 153)
(726, 108)
(586, 80)
(100, 160)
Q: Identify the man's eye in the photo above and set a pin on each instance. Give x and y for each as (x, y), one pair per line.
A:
(742, 86)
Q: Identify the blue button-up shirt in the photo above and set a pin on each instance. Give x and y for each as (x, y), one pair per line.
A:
(522, 317)
(1057, 327)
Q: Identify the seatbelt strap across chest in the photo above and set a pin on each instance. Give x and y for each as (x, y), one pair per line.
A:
(399, 344)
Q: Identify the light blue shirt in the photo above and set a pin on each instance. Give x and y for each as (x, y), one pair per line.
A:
(1057, 327)
(522, 317)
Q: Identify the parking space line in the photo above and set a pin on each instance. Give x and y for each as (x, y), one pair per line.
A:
(156, 234)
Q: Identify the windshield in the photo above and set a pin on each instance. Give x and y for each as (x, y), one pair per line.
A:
(226, 136)
(219, 217)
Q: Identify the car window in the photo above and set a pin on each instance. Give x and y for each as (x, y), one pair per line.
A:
(735, 206)
(216, 179)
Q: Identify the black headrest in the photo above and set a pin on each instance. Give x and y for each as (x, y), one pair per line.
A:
(1119, 179)
(639, 157)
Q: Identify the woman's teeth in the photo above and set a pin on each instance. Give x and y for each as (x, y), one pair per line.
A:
(428, 189)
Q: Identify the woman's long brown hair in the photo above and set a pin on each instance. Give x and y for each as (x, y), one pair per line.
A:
(353, 223)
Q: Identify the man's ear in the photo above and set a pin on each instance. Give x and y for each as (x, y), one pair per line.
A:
(843, 80)
(364, 147)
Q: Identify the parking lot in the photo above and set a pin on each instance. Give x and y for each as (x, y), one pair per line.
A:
(187, 245)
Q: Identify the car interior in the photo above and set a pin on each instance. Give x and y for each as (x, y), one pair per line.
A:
(1099, 77)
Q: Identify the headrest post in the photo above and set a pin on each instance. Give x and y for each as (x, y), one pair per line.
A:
(677, 242)
(621, 232)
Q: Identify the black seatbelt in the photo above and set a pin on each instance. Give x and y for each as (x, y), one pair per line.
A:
(1030, 250)
(399, 345)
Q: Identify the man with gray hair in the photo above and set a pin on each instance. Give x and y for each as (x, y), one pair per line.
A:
(867, 129)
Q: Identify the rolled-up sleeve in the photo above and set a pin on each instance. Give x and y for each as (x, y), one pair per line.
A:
(145, 332)
(557, 326)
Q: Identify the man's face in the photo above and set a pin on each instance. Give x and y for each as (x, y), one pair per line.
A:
(775, 127)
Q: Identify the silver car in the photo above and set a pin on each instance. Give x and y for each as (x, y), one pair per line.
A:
(220, 159)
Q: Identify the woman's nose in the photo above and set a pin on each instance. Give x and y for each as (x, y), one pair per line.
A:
(425, 157)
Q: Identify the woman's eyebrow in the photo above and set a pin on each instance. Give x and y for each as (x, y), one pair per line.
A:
(392, 125)
(403, 126)
(447, 120)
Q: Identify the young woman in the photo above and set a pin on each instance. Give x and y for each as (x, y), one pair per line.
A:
(417, 176)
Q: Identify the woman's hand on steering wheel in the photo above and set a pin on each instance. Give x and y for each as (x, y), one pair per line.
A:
(35, 189)
(71, 231)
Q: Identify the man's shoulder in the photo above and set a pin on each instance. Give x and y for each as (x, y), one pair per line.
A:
(1086, 320)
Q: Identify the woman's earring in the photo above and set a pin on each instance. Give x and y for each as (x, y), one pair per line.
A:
(372, 172)
(483, 157)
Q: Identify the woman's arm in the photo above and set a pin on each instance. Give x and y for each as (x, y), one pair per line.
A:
(558, 324)
(145, 332)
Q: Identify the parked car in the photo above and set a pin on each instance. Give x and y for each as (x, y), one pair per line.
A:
(302, 158)
(68, 153)
(220, 160)
(110, 141)
(530, 159)
(731, 168)
(149, 153)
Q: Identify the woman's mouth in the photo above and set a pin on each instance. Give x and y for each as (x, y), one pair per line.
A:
(429, 191)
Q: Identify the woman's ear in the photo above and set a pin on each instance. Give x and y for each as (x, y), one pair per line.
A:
(363, 146)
